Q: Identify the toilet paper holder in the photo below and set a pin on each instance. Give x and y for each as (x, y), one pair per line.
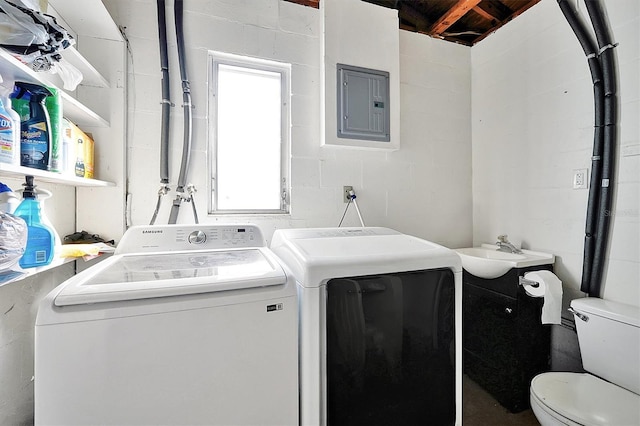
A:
(523, 281)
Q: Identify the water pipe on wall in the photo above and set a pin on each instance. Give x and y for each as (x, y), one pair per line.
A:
(602, 68)
(166, 109)
(606, 45)
(188, 118)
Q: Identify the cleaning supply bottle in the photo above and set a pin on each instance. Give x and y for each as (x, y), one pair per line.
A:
(15, 117)
(9, 127)
(40, 238)
(80, 158)
(9, 133)
(53, 104)
(35, 132)
(8, 199)
(43, 195)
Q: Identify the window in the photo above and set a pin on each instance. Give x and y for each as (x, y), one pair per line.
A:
(248, 134)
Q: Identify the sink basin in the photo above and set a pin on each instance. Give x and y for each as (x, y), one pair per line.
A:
(487, 262)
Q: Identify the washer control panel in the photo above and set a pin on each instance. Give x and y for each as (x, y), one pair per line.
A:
(189, 237)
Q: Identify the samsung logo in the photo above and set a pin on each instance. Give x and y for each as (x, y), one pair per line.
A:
(152, 231)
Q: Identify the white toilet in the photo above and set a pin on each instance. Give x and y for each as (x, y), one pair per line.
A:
(609, 337)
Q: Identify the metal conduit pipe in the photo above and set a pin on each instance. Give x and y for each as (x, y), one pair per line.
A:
(589, 47)
(188, 119)
(609, 72)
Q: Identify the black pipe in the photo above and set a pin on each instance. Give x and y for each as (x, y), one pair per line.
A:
(166, 108)
(588, 45)
(166, 94)
(609, 72)
(188, 120)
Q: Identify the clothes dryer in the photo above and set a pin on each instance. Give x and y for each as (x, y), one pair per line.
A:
(380, 326)
(185, 324)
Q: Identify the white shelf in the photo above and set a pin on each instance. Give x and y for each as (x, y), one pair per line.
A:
(87, 18)
(43, 175)
(16, 273)
(90, 75)
(13, 69)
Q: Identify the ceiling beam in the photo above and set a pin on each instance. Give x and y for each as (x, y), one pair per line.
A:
(310, 3)
(413, 16)
(451, 17)
(496, 9)
(505, 21)
(486, 15)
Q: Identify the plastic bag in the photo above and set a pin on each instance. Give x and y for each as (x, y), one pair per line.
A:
(69, 74)
(34, 38)
(13, 239)
(17, 30)
(31, 4)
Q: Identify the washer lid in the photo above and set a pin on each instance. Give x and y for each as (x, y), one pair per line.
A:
(586, 399)
(142, 276)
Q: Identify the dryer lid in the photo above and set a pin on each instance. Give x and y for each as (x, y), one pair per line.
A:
(143, 276)
(316, 255)
(586, 399)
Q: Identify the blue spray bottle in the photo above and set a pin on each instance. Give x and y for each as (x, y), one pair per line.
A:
(35, 131)
(40, 238)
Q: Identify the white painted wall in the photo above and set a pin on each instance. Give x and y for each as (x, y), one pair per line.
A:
(525, 95)
(18, 308)
(423, 189)
(532, 125)
(371, 43)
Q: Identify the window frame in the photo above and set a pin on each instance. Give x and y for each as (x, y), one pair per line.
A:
(216, 58)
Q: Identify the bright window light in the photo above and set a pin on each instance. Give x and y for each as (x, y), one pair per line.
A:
(249, 126)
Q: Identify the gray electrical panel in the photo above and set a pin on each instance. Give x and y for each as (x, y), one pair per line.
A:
(363, 103)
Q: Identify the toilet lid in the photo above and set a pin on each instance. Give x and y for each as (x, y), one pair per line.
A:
(586, 399)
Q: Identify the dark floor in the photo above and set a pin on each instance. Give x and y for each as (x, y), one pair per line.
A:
(480, 409)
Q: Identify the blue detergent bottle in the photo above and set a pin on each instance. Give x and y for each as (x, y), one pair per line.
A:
(40, 238)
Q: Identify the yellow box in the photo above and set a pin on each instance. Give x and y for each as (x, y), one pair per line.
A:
(78, 151)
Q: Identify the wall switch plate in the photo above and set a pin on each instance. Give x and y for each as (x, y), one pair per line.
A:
(580, 179)
(345, 191)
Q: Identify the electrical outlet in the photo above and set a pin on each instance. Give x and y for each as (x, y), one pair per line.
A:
(345, 191)
(580, 179)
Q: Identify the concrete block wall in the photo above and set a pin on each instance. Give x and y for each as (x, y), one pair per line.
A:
(423, 189)
(532, 126)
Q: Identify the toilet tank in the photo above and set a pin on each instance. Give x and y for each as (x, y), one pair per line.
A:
(609, 337)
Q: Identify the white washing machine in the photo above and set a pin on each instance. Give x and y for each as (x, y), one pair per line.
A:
(184, 325)
(380, 326)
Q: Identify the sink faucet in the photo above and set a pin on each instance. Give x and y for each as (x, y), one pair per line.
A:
(504, 245)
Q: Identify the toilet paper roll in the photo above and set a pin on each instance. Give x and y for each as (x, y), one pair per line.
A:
(550, 287)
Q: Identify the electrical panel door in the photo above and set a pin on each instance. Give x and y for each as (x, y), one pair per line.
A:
(363, 103)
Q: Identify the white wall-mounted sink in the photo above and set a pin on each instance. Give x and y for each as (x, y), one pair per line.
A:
(488, 262)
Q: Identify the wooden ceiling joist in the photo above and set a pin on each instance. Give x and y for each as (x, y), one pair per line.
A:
(472, 20)
(451, 17)
(417, 19)
(486, 15)
(495, 9)
(508, 19)
(311, 3)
